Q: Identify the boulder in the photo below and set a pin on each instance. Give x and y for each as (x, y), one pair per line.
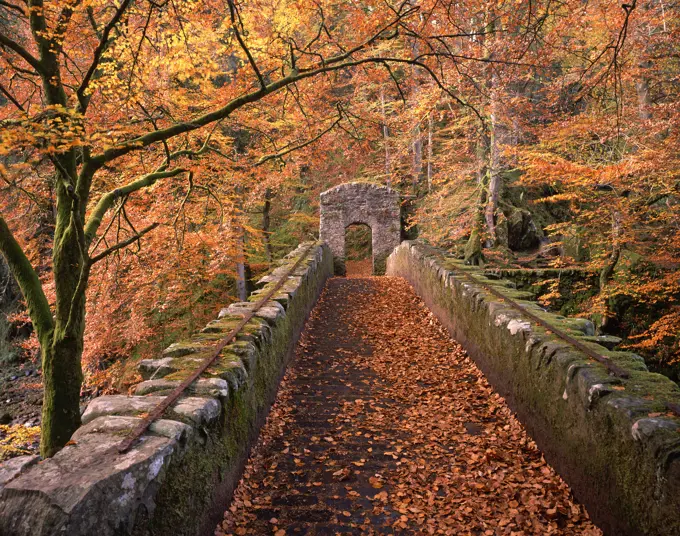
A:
(522, 233)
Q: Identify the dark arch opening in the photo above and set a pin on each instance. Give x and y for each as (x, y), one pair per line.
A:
(358, 250)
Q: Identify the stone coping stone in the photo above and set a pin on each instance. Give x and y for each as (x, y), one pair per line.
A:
(13, 467)
(121, 425)
(198, 410)
(89, 482)
(215, 387)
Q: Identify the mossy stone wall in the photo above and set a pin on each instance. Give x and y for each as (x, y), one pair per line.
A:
(612, 439)
(179, 477)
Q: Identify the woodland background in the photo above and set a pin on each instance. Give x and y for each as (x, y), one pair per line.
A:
(521, 134)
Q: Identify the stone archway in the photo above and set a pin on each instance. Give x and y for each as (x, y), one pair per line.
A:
(361, 202)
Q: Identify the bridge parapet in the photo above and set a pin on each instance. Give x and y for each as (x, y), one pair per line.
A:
(610, 435)
(178, 478)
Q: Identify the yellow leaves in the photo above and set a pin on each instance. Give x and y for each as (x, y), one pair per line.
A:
(55, 129)
(18, 440)
(553, 292)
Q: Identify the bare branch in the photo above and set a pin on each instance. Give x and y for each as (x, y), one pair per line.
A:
(186, 197)
(16, 9)
(301, 145)
(123, 244)
(34, 62)
(396, 82)
(329, 65)
(7, 94)
(236, 18)
(109, 198)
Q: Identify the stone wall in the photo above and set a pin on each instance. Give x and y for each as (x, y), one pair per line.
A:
(613, 440)
(360, 202)
(178, 479)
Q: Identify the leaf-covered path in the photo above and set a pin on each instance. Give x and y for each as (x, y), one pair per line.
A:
(382, 425)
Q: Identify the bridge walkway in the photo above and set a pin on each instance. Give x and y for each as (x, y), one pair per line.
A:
(382, 425)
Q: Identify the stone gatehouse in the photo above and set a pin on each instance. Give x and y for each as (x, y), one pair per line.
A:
(361, 203)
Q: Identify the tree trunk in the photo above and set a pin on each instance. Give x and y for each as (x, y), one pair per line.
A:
(495, 161)
(241, 282)
(644, 32)
(62, 352)
(386, 138)
(473, 248)
(430, 128)
(417, 141)
(494, 192)
(266, 221)
(643, 95)
(62, 378)
(609, 267)
(417, 169)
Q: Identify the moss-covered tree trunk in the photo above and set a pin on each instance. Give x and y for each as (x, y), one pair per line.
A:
(60, 326)
(62, 379)
(63, 348)
(473, 248)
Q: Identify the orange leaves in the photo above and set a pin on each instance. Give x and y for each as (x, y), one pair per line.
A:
(375, 482)
(421, 443)
(662, 335)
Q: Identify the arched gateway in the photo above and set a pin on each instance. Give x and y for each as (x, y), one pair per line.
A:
(361, 202)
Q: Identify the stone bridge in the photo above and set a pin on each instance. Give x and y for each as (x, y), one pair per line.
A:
(386, 423)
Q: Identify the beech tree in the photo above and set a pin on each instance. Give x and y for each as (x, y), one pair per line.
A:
(105, 101)
(592, 112)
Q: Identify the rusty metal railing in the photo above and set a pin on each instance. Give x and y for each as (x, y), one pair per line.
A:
(170, 399)
(604, 360)
(613, 368)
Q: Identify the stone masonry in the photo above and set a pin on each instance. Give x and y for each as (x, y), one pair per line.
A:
(361, 202)
(614, 440)
(179, 476)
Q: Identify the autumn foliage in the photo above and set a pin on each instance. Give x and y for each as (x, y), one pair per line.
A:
(150, 151)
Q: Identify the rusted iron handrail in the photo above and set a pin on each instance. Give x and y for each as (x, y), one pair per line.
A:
(170, 399)
(613, 368)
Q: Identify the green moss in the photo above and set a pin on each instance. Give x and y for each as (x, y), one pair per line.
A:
(210, 467)
(550, 389)
(183, 348)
